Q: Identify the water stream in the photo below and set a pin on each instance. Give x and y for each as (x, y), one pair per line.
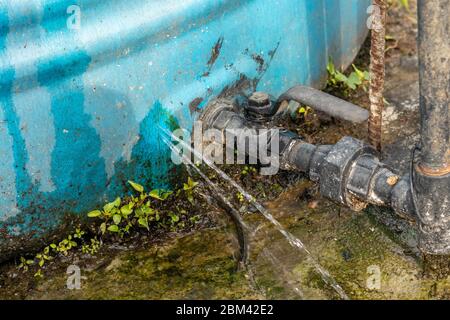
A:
(294, 241)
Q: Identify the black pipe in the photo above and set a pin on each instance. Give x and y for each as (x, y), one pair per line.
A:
(430, 174)
(348, 172)
(321, 101)
(351, 172)
(434, 67)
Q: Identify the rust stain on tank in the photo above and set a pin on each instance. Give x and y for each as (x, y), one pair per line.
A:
(215, 53)
(193, 106)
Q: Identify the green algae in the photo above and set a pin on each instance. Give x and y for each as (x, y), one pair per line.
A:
(203, 265)
(348, 245)
(197, 266)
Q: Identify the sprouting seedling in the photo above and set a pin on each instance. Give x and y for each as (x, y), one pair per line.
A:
(189, 189)
(118, 217)
(25, 263)
(357, 78)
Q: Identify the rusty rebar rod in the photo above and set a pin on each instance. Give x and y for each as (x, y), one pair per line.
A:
(377, 73)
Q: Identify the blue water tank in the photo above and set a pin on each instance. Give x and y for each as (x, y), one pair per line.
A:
(85, 86)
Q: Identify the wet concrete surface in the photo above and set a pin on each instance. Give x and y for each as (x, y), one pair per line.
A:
(366, 259)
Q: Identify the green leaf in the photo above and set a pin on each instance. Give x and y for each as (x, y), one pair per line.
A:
(144, 223)
(160, 194)
(147, 210)
(117, 218)
(366, 75)
(117, 202)
(113, 228)
(127, 228)
(136, 186)
(330, 67)
(103, 228)
(94, 214)
(138, 212)
(353, 81)
(127, 209)
(174, 217)
(143, 196)
(359, 73)
(38, 274)
(191, 184)
(108, 207)
(341, 77)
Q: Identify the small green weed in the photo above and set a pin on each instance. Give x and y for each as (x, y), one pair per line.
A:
(357, 78)
(118, 219)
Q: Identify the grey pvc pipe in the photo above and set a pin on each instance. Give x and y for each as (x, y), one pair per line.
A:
(324, 102)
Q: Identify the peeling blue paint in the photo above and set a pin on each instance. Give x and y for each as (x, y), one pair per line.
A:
(80, 110)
